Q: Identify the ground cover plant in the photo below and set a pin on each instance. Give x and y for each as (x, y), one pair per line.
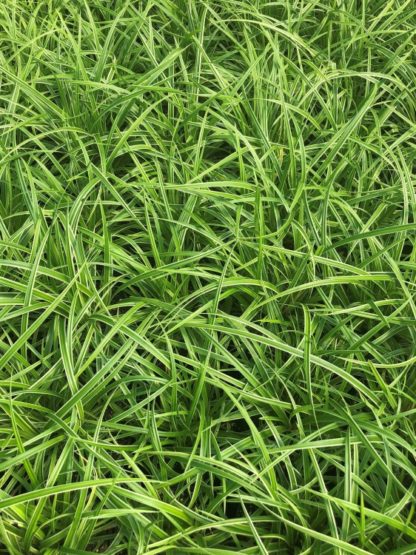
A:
(207, 277)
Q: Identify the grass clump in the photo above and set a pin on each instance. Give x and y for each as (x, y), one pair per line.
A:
(207, 268)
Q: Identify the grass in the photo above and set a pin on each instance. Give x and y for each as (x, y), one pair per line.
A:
(207, 277)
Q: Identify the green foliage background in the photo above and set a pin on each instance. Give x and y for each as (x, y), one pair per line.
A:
(207, 277)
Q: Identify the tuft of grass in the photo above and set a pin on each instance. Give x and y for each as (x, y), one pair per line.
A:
(207, 277)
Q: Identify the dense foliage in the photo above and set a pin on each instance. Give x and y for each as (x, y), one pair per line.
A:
(207, 277)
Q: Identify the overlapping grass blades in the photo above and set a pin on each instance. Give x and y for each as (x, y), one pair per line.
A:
(207, 298)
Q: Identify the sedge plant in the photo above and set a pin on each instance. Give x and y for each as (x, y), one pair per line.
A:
(207, 277)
